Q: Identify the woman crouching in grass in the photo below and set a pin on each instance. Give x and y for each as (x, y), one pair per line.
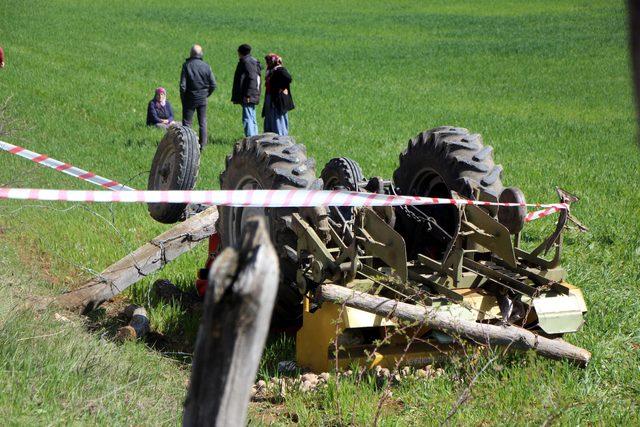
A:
(278, 100)
(159, 111)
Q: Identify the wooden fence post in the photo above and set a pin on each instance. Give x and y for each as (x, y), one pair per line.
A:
(237, 312)
(143, 261)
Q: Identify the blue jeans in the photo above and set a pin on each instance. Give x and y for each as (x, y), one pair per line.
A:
(274, 121)
(249, 119)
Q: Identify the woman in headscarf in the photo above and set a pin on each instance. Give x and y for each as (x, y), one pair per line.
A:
(159, 111)
(278, 100)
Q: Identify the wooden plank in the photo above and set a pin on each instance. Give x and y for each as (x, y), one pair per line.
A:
(143, 261)
(237, 310)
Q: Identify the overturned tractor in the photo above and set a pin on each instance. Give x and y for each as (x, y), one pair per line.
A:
(463, 260)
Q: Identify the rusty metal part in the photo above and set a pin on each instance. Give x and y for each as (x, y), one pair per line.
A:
(512, 217)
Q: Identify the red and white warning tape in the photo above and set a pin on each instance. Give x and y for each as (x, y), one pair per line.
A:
(241, 198)
(47, 161)
(256, 198)
(545, 212)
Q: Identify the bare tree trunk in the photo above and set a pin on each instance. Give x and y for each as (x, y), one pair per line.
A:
(237, 312)
(481, 333)
(142, 262)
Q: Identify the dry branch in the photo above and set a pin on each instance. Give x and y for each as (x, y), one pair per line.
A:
(238, 305)
(142, 262)
(138, 326)
(493, 335)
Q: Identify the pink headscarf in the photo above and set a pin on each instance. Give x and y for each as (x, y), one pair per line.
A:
(273, 60)
(159, 91)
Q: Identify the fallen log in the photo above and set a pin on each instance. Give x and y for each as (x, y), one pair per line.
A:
(143, 261)
(481, 333)
(233, 331)
(138, 326)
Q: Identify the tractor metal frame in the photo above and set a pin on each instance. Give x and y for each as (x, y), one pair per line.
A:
(484, 275)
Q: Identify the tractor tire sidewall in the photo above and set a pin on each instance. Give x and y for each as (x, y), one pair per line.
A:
(279, 163)
(175, 167)
(344, 171)
(462, 161)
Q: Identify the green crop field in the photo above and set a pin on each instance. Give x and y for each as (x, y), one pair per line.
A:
(546, 83)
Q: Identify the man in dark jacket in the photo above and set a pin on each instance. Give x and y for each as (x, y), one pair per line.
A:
(246, 88)
(197, 83)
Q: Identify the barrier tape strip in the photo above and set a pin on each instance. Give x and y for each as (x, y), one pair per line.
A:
(258, 198)
(75, 172)
(240, 198)
(542, 213)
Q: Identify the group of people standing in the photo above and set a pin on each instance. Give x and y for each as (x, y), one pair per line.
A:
(197, 83)
(247, 89)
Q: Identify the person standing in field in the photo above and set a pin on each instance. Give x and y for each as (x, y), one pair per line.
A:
(197, 83)
(246, 88)
(159, 110)
(278, 101)
(1, 57)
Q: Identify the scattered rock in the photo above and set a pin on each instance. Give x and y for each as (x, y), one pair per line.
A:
(306, 386)
(61, 318)
(310, 377)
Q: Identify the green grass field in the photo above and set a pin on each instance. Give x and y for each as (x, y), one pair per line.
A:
(546, 83)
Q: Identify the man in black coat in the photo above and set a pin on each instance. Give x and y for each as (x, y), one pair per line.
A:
(197, 83)
(246, 88)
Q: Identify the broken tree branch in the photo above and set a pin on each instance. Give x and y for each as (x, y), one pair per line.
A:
(138, 325)
(237, 312)
(481, 333)
(140, 263)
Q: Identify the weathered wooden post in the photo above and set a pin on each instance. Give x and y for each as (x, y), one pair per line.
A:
(237, 311)
(140, 263)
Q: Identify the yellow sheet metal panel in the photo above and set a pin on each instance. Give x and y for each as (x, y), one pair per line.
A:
(354, 318)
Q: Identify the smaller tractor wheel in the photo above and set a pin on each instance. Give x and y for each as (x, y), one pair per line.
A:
(342, 173)
(174, 167)
(512, 217)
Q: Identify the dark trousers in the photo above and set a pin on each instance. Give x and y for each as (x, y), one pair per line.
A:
(187, 120)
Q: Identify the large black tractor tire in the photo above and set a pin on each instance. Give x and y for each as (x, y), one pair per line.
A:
(446, 159)
(269, 161)
(174, 167)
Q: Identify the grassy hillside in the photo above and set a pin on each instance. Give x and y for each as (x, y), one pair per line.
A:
(547, 84)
